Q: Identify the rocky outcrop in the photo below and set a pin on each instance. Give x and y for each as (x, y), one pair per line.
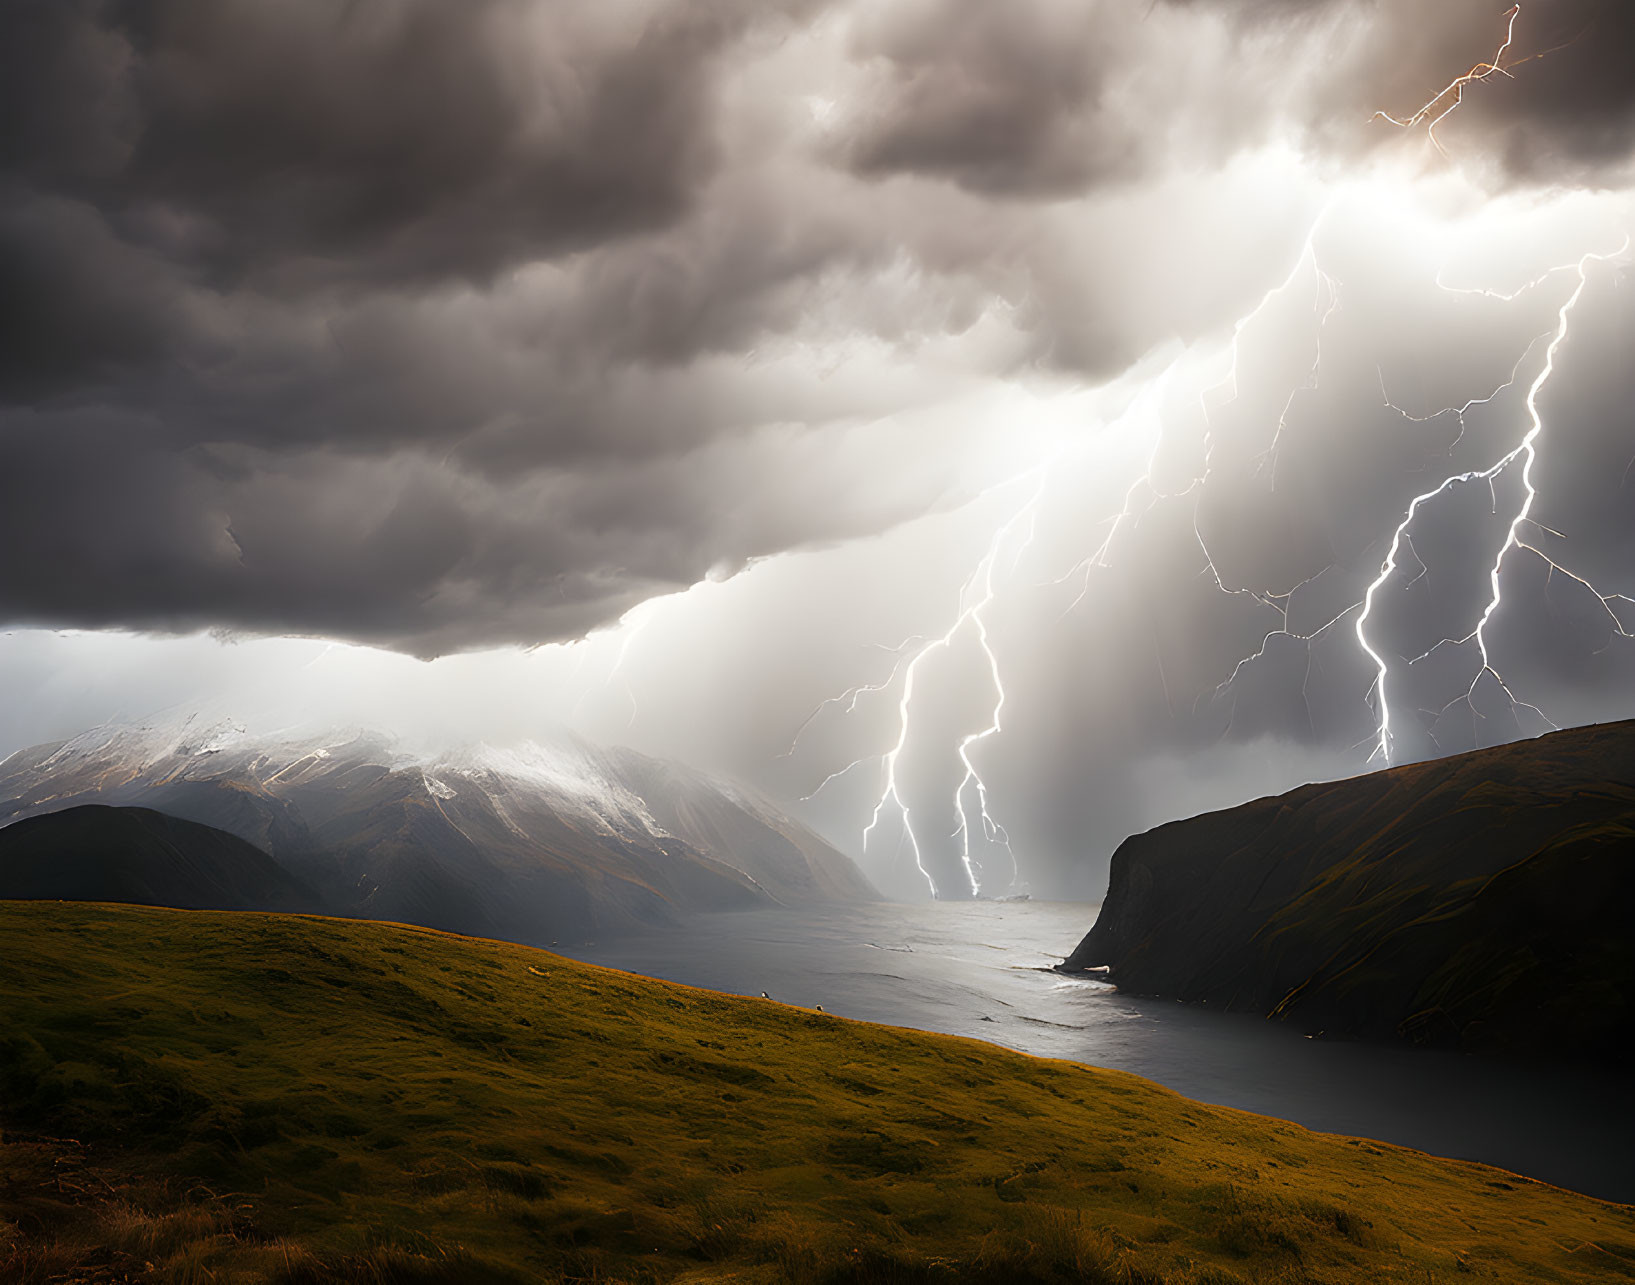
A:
(1481, 901)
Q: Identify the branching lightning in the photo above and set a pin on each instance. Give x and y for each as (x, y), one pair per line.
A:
(991, 829)
(1452, 96)
(1525, 450)
(976, 596)
(1142, 496)
(971, 795)
(1128, 515)
(903, 651)
(980, 591)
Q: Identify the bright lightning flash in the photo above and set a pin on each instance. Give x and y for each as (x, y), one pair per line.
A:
(1015, 535)
(1526, 451)
(976, 597)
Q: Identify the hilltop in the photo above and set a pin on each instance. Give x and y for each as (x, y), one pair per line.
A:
(191, 1096)
(98, 853)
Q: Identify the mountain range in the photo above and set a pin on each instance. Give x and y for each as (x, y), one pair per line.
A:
(528, 844)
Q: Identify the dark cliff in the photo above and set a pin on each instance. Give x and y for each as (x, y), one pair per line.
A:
(1482, 901)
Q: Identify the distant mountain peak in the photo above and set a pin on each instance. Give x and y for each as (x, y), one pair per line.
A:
(523, 841)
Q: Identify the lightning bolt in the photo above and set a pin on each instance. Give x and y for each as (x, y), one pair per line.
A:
(638, 627)
(971, 613)
(1128, 514)
(1313, 376)
(1525, 450)
(976, 595)
(991, 829)
(980, 590)
(1326, 302)
(1308, 254)
(1459, 412)
(631, 626)
(1384, 739)
(903, 651)
(1453, 93)
(1281, 603)
(1619, 629)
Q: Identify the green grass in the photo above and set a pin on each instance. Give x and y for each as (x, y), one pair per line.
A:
(191, 1096)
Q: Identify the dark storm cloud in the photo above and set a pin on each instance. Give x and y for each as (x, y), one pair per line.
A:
(439, 325)
(1053, 98)
(394, 142)
(397, 550)
(302, 150)
(255, 293)
(1563, 112)
(401, 553)
(1573, 110)
(1002, 99)
(76, 303)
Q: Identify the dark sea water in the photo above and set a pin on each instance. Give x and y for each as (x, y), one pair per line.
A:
(982, 969)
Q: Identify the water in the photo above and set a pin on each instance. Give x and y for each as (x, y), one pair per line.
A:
(981, 969)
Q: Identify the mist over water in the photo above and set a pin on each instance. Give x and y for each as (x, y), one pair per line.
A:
(982, 969)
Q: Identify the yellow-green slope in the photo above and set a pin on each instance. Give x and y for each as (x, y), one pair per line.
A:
(334, 1100)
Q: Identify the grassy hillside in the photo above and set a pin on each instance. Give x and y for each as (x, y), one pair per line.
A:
(1482, 901)
(192, 1096)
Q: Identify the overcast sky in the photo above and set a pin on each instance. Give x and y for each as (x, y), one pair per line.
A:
(357, 360)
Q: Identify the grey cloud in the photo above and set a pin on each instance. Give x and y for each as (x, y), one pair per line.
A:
(1572, 112)
(1001, 99)
(150, 149)
(398, 551)
(76, 303)
(443, 325)
(1564, 112)
(398, 141)
(401, 550)
(1057, 98)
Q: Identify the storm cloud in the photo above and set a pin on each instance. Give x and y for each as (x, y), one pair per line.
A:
(444, 326)
(448, 327)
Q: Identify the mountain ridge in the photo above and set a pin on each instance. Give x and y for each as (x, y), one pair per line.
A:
(525, 844)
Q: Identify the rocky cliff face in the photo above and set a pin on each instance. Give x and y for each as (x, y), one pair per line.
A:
(527, 844)
(1482, 901)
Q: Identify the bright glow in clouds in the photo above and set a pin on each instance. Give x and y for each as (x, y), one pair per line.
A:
(1083, 544)
(1471, 233)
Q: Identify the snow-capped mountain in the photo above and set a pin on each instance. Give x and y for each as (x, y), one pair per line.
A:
(530, 843)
